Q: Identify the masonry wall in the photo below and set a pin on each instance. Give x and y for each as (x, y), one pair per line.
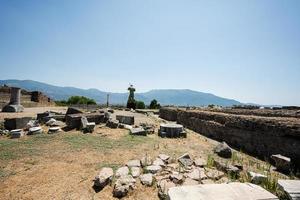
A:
(260, 136)
(28, 99)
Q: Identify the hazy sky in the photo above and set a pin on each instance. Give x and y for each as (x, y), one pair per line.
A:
(248, 50)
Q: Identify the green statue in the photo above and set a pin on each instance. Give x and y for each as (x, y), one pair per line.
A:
(131, 103)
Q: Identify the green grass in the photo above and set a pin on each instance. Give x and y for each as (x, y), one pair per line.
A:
(79, 142)
(11, 149)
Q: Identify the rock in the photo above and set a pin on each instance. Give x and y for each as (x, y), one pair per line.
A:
(197, 174)
(153, 169)
(214, 174)
(87, 127)
(135, 172)
(74, 120)
(189, 181)
(128, 127)
(282, 163)
(207, 181)
(185, 160)
(291, 188)
(232, 191)
(147, 179)
(17, 133)
(104, 178)
(54, 130)
(123, 185)
(223, 150)
(107, 116)
(50, 122)
(122, 171)
(176, 177)
(164, 157)
(146, 160)
(129, 120)
(31, 123)
(163, 188)
(112, 123)
(138, 131)
(134, 163)
(16, 123)
(159, 162)
(72, 110)
(173, 166)
(257, 178)
(35, 131)
(200, 162)
(227, 168)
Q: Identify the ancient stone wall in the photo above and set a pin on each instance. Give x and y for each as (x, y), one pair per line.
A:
(260, 136)
(28, 99)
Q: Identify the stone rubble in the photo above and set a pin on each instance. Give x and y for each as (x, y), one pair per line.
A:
(104, 178)
(223, 150)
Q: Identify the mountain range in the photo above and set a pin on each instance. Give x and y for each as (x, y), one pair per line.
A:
(179, 97)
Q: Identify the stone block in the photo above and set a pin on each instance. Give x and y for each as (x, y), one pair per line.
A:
(129, 120)
(232, 191)
(16, 123)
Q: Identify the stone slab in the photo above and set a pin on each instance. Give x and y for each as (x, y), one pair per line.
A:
(74, 120)
(291, 187)
(231, 191)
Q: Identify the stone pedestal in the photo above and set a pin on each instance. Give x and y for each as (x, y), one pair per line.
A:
(14, 104)
(171, 131)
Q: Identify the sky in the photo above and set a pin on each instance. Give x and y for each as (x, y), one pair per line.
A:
(248, 50)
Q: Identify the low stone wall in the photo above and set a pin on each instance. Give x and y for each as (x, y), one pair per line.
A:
(260, 136)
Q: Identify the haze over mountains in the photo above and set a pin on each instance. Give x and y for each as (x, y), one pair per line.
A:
(180, 97)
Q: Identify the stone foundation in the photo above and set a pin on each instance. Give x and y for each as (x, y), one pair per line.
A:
(260, 136)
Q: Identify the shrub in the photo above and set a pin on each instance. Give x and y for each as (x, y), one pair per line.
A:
(73, 100)
(140, 105)
(154, 104)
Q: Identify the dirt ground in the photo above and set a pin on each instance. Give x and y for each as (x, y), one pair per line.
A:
(63, 166)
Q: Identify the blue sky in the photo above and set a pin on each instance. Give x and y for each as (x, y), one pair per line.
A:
(248, 50)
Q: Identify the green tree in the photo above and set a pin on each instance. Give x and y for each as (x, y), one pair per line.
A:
(140, 105)
(154, 104)
(81, 100)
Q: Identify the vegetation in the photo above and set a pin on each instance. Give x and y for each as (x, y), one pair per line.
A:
(154, 104)
(140, 105)
(73, 100)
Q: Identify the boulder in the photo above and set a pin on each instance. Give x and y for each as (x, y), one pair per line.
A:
(104, 177)
(223, 150)
(282, 163)
(214, 174)
(197, 174)
(134, 163)
(122, 171)
(153, 169)
(147, 179)
(159, 162)
(200, 162)
(164, 157)
(163, 188)
(176, 177)
(257, 178)
(123, 185)
(135, 172)
(112, 123)
(146, 160)
(185, 160)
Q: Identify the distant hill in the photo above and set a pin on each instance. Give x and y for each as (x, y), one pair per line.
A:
(164, 97)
